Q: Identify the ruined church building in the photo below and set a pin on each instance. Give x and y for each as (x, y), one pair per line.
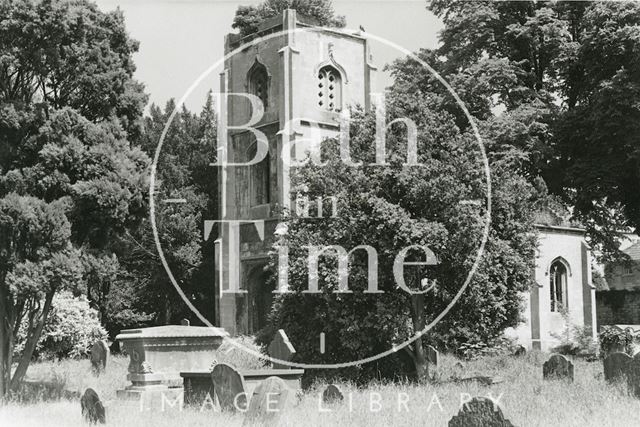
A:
(316, 74)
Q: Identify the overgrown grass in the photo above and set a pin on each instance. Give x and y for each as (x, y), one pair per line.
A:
(525, 398)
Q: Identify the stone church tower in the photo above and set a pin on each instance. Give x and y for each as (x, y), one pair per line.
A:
(303, 74)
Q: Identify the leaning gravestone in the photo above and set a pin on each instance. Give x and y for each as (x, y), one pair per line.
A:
(268, 402)
(616, 365)
(99, 356)
(332, 394)
(557, 367)
(432, 355)
(480, 412)
(281, 349)
(228, 386)
(92, 408)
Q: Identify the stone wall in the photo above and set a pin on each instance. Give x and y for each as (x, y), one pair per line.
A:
(618, 307)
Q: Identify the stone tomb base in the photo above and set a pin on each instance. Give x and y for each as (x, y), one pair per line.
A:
(198, 384)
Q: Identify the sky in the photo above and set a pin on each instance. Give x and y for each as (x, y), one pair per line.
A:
(179, 39)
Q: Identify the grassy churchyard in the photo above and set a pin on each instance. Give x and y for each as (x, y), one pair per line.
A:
(525, 398)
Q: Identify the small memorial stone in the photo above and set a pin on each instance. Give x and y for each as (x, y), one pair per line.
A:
(281, 349)
(557, 367)
(268, 402)
(99, 355)
(229, 387)
(332, 394)
(616, 365)
(185, 322)
(92, 408)
(480, 412)
(432, 355)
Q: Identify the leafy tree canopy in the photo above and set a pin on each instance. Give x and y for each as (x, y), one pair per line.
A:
(71, 183)
(393, 207)
(559, 82)
(248, 18)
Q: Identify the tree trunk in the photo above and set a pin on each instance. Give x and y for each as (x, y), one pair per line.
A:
(30, 345)
(419, 357)
(5, 333)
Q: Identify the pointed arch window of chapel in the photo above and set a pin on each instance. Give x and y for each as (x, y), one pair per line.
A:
(259, 83)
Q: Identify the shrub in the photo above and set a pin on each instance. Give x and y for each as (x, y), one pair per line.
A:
(574, 340)
(71, 328)
(613, 339)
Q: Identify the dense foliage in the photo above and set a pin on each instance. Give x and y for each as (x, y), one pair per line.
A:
(390, 208)
(71, 183)
(248, 18)
(613, 339)
(566, 74)
(72, 328)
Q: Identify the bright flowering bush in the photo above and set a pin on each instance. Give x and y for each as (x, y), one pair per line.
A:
(72, 327)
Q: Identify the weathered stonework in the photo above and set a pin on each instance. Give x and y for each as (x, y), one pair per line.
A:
(157, 355)
(291, 64)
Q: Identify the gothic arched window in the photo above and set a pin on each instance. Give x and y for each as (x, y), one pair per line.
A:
(329, 89)
(558, 285)
(259, 83)
(260, 177)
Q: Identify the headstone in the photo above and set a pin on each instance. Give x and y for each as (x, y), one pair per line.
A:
(99, 356)
(480, 412)
(616, 365)
(229, 387)
(557, 367)
(633, 376)
(268, 402)
(281, 349)
(92, 408)
(332, 394)
(432, 355)
(185, 322)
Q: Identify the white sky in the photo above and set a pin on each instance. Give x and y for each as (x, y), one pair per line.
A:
(179, 39)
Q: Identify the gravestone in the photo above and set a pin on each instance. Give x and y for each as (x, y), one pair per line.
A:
(281, 349)
(480, 412)
(185, 322)
(229, 387)
(432, 356)
(268, 402)
(633, 375)
(92, 408)
(99, 356)
(557, 367)
(616, 365)
(332, 394)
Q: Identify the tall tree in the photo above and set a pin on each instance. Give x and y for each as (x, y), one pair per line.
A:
(392, 207)
(571, 94)
(183, 172)
(71, 184)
